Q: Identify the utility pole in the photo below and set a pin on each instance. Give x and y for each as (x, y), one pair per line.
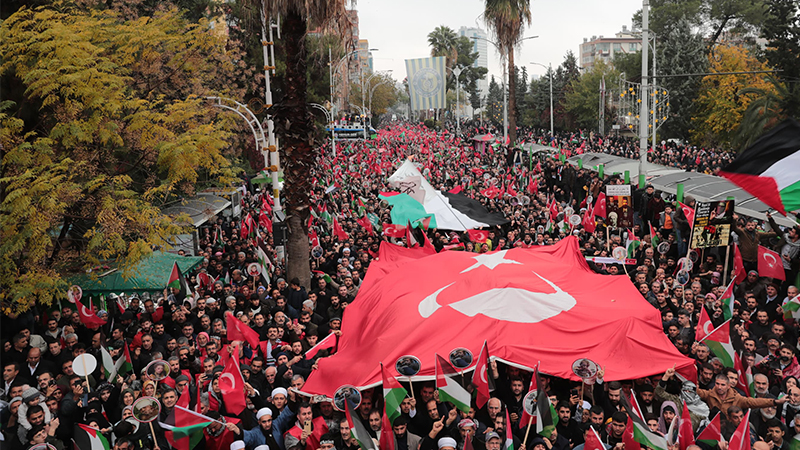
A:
(273, 163)
(644, 94)
(505, 113)
(331, 121)
(655, 95)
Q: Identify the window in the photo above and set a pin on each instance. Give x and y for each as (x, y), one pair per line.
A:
(617, 48)
(632, 47)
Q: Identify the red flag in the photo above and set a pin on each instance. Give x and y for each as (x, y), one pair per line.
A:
(481, 377)
(712, 433)
(327, 343)
(742, 380)
(338, 231)
(455, 190)
(366, 224)
(739, 272)
(465, 294)
(769, 264)
(553, 210)
(231, 384)
(600, 205)
(526, 418)
(426, 223)
(158, 314)
(588, 221)
(627, 436)
(411, 241)
(688, 211)
(741, 437)
(313, 238)
(88, 317)
(479, 236)
(704, 325)
(593, 441)
(685, 433)
(238, 331)
(396, 231)
(533, 187)
(243, 232)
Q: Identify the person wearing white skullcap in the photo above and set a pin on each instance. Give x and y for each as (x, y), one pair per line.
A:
(237, 445)
(262, 447)
(269, 432)
(447, 443)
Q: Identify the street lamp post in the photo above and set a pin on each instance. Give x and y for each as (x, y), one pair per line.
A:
(333, 69)
(549, 68)
(457, 72)
(372, 91)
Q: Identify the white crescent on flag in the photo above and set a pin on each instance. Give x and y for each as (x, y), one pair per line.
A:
(771, 257)
(230, 383)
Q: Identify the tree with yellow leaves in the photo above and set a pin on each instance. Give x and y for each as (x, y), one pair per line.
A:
(721, 105)
(103, 122)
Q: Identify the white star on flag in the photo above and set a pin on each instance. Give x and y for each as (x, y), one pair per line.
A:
(490, 260)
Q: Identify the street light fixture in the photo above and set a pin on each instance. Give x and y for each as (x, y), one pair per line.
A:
(549, 68)
(457, 72)
(505, 94)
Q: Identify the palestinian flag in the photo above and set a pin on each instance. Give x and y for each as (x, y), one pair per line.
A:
(88, 438)
(751, 383)
(325, 276)
(127, 365)
(447, 210)
(357, 429)
(719, 341)
(110, 368)
(449, 389)
(770, 168)
(509, 444)
(641, 432)
(177, 281)
(653, 236)
(794, 444)
(546, 416)
(393, 393)
(727, 301)
(632, 243)
(711, 434)
(741, 437)
(187, 431)
(791, 309)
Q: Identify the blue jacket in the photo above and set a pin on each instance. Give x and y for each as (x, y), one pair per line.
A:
(253, 438)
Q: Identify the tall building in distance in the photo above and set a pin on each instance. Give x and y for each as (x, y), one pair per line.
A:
(364, 56)
(479, 45)
(599, 48)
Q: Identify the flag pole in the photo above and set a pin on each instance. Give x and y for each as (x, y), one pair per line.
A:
(528, 430)
(86, 376)
(727, 260)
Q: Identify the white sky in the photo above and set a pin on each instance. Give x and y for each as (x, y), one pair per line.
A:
(399, 28)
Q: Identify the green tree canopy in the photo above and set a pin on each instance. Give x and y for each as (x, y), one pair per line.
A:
(106, 122)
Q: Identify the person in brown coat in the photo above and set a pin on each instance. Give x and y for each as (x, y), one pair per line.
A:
(750, 238)
(723, 396)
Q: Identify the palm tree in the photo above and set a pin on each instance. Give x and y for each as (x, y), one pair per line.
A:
(293, 120)
(443, 41)
(772, 105)
(507, 19)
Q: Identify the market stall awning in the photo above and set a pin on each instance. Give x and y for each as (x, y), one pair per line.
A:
(150, 275)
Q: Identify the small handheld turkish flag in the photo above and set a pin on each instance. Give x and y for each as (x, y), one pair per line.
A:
(479, 236)
(231, 383)
(769, 264)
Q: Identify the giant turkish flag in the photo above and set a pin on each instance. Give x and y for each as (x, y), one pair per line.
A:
(541, 304)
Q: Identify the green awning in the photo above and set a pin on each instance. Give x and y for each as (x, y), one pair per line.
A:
(150, 275)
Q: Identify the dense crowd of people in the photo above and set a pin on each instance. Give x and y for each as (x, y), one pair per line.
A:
(44, 400)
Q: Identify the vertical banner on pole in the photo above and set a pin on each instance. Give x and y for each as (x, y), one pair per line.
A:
(426, 83)
(679, 194)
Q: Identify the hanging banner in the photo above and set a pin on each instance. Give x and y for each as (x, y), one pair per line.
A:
(619, 205)
(427, 83)
(712, 224)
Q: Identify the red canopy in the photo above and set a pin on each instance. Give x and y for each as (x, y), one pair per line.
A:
(541, 305)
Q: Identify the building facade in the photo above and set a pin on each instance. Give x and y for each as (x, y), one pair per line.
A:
(599, 48)
(479, 45)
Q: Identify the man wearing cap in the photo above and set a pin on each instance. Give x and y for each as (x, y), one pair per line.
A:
(493, 441)
(266, 433)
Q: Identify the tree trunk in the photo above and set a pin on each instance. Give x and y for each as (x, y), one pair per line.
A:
(512, 100)
(294, 123)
